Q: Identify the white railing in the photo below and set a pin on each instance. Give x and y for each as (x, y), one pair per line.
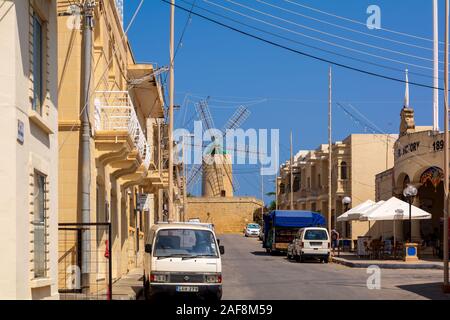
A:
(114, 111)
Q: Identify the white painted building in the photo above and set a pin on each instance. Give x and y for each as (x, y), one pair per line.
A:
(29, 150)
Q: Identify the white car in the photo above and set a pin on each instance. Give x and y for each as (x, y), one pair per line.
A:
(183, 258)
(252, 230)
(311, 242)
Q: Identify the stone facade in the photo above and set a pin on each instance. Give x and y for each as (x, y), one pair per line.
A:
(126, 117)
(356, 161)
(228, 214)
(29, 161)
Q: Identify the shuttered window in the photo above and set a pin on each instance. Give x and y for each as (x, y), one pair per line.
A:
(37, 64)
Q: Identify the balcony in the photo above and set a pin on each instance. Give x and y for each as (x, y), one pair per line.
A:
(115, 116)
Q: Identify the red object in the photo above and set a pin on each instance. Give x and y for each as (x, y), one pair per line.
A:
(107, 249)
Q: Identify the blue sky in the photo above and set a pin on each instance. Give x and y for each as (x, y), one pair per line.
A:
(282, 89)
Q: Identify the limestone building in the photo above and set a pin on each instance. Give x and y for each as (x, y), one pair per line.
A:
(418, 160)
(29, 160)
(128, 140)
(356, 161)
(218, 204)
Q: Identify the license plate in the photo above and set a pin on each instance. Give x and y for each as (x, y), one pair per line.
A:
(186, 289)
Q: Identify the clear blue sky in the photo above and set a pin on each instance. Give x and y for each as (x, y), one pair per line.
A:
(232, 68)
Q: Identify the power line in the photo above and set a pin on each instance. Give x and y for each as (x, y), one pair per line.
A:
(329, 34)
(346, 28)
(374, 74)
(307, 45)
(320, 40)
(103, 73)
(359, 22)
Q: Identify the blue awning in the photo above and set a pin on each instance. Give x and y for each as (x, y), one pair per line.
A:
(295, 219)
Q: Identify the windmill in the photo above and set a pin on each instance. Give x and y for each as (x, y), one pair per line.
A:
(216, 165)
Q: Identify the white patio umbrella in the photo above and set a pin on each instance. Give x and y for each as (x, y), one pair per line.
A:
(354, 213)
(392, 210)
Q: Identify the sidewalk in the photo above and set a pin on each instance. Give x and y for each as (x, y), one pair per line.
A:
(353, 261)
(129, 286)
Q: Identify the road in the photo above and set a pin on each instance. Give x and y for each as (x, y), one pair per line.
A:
(250, 273)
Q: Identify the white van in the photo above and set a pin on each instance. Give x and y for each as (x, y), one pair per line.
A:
(183, 258)
(311, 242)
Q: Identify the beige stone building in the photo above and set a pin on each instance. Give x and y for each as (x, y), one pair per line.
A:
(228, 214)
(419, 159)
(356, 161)
(29, 160)
(128, 137)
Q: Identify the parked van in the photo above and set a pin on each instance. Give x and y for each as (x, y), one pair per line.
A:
(183, 258)
(311, 242)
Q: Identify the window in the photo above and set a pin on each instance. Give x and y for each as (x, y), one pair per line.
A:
(282, 188)
(344, 175)
(37, 64)
(223, 193)
(296, 183)
(319, 181)
(39, 224)
(185, 243)
(316, 235)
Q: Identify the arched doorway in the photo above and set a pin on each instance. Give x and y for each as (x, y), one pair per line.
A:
(431, 199)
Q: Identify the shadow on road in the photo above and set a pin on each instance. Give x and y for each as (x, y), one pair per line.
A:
(260, 253)
(431, 291)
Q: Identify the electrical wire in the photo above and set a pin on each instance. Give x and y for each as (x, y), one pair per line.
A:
(329, 34)
(318, 39)
(103, 74)
(307, 45)
(359, 22)
(302, 53)
(346, 28)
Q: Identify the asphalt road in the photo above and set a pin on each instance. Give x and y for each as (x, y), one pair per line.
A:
(250, 273)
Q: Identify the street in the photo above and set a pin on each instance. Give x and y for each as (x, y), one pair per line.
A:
(250, 273)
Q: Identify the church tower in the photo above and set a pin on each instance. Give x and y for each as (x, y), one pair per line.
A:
(407, 123)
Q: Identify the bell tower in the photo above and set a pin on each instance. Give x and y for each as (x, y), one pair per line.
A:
(407, 123)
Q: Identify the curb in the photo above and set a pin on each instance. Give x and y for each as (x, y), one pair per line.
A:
(351, 264)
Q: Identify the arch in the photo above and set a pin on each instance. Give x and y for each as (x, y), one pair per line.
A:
(432, 175)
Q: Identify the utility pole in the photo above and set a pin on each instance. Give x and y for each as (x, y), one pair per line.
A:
(184, 183)
(291, 178)
(446, 151)
(88, 12)
(276, 191)
(171, 102)
(435, 67)
(330, 150)
(262, 196)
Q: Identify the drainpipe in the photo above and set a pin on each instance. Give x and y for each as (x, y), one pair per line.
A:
(85, 182)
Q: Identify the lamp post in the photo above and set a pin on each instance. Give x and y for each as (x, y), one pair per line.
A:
(409, 193)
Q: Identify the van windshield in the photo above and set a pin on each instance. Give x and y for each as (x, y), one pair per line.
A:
(185, 243)
(316, 235)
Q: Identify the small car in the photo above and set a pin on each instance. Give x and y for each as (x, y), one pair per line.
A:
(252, 230)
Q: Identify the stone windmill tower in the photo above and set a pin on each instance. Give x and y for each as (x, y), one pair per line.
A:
(216, 168)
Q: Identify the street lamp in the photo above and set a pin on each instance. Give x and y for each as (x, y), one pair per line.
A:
(409, 193)
(346, 202)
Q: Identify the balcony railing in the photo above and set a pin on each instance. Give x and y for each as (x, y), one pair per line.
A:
(114, 111)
